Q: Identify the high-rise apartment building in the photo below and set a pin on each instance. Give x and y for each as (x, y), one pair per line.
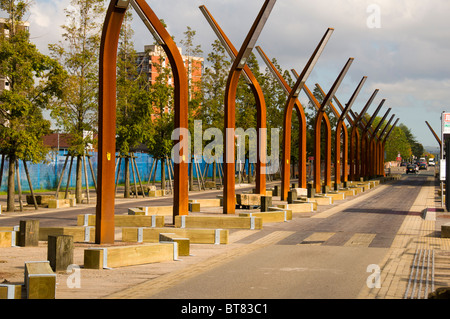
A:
(153, 58)
(5, 31)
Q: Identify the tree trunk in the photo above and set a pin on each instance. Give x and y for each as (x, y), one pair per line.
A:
(78, 184)
(11, 183)
(191, 174)
(163, 175)
(126, 193)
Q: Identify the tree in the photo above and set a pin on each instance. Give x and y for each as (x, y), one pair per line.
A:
(76, 113)
(193, 69)
(214, 81)
(160, 98)
(133, 114)
(34, 80)
(397, 143)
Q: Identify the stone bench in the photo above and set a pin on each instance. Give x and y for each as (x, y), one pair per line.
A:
(227, 222)
(207, 202)
(196, 236)
(9, 291)
(151, 210)
(445, 230)
(125, 220)
(274, 215)
(9, 236)
(40, 280)
(122, 256)
(79, 233)
(299, 206)
(183, 245)
(62, 203)
(248, 200)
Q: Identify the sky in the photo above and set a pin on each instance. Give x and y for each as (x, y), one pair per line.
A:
(402, 46)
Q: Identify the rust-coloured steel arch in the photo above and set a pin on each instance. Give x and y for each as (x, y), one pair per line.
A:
(355, 147)
(340, 126)
(287, 133)
(365, 142)
(229, 204)
(107, 113)
(434, 134)
(290, 103)
(259, 100)
(373, 150)
(317, 129)
(380, 161)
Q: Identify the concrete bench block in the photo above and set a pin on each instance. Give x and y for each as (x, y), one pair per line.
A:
(248, 199)
(276, 215)
(40, 280)
(445, 230)
(227, 222)
(194, 207)
(125, 220)
(183, 245)
(122, 256)
(60, 252)
(195, 235)
(28, 233)
(155, 210)
(8, 238)
(62, 203)
(79, 233)
(8, 291)
(208, 202)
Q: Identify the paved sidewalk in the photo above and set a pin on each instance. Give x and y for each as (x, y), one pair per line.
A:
(415, 233)
(129, 282)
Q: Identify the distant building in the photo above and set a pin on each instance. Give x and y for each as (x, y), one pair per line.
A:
(5, 31)
(153, 58)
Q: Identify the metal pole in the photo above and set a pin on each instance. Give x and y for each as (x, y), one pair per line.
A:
(259, 99)
(229, 205)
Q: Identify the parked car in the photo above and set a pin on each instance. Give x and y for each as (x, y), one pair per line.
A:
(423, 165)
(411, 168)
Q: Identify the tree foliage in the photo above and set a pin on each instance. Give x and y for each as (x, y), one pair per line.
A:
(34, 81)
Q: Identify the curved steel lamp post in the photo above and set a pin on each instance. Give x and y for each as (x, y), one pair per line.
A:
(379, 143)
(259, 100)
(318, 125)
(327, 123)
(355, 147)
(341, 127)
(386, 137)
(287, 132)
(292, 101)
(434, 134)
(365, 142)
(104, 230)
(373, 150)
(229, 205)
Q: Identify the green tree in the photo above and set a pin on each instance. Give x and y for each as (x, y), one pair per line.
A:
(397, 143)
(77, 112)
(214, 81)
(133, 115)
(34, 80)
(194, 66)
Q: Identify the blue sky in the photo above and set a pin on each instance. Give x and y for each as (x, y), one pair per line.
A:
(402, 46)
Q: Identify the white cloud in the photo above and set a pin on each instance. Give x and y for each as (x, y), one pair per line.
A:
(406, 58)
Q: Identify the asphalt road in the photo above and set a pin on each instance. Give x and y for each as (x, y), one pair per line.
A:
(323, 258)
(302, 259)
